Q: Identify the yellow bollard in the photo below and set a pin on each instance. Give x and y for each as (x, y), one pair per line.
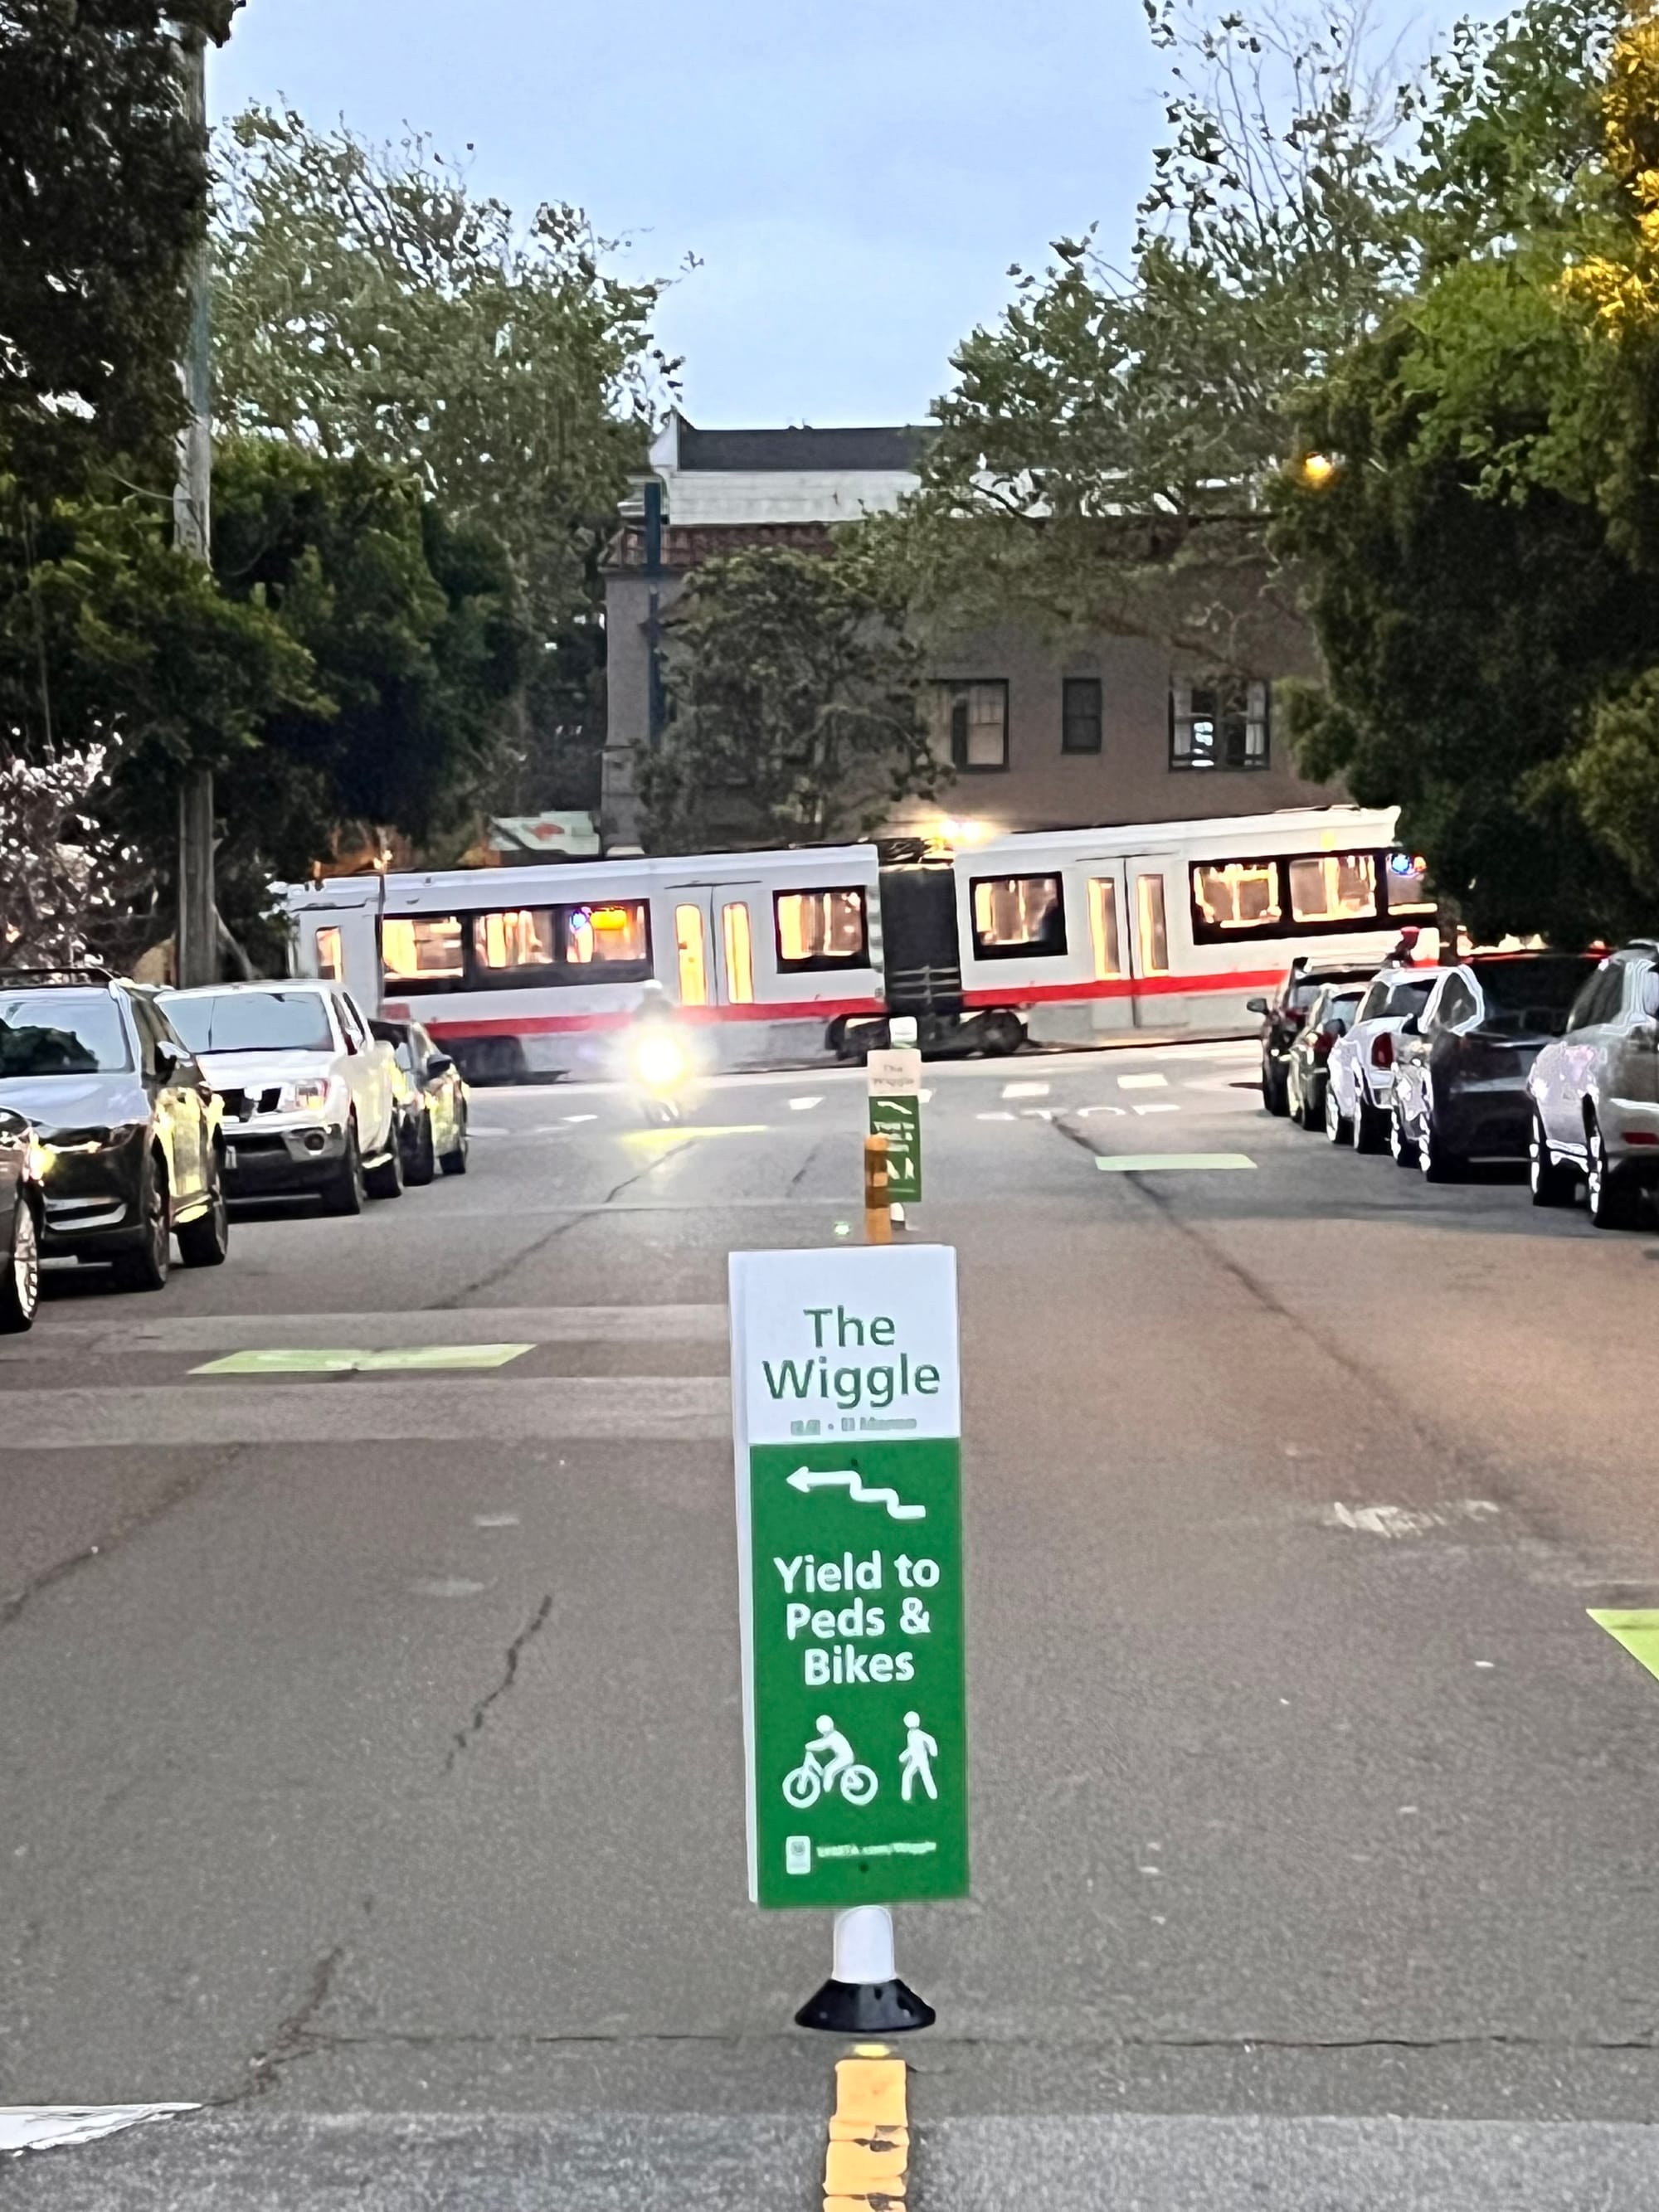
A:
(878, 1220)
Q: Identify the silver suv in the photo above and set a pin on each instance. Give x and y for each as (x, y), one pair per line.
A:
(1595, 1093)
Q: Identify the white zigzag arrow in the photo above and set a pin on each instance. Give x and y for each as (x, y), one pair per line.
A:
(805, 1477)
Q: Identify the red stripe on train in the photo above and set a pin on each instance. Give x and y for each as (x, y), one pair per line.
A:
(1130, 987)
(797, 1010)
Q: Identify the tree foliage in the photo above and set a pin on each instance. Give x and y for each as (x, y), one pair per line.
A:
(103, 197)
(796, 706)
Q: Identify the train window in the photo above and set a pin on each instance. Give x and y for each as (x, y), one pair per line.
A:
(740, 954)
(1406, 879)
(1102, 928)
(1016, 917)
(820, 929)
(602, 943)
(693, 964)
(1231, 897)
(420, 949)
(331, 958)
(1154, 935)
(1332, 887)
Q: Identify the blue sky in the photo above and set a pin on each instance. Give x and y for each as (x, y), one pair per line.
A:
(855, 176)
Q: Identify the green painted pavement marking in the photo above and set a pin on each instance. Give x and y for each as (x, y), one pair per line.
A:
(1637, 1631)
(288, 1361)
(1157, 1162)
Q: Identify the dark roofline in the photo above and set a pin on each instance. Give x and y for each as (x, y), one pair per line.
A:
(897, 448)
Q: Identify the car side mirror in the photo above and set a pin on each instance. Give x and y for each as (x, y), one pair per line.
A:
(439, 1064)
(1255, 1005)
(1650, 995)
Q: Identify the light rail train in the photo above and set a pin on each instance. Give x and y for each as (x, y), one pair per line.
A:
(1060, 937)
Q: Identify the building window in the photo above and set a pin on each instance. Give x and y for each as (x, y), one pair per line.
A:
(1079, 726)
(1015, 916)
(971, 724)
(820, 929)
(1220, 721)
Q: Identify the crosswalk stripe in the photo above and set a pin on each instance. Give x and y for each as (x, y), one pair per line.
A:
(1155, 1162)
(645, 1409)
(370, 1332)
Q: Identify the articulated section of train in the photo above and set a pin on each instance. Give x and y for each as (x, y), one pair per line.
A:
(1060, 938)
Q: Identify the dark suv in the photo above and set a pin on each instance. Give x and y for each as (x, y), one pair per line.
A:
(128, 1131)
(1283, 1015)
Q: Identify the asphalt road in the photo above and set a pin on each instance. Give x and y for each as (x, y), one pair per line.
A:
(370, 1760)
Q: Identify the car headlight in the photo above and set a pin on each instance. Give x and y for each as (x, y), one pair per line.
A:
(63, 1142)
(309, 1095)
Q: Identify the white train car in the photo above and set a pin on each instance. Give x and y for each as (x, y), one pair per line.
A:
(1060, 936)
(527, 972)
(1175, 925)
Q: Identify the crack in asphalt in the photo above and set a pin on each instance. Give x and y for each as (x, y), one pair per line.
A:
(494, 1275)
(801, 1172)
(515, 1651)
(16, 1601)
(296, 2036)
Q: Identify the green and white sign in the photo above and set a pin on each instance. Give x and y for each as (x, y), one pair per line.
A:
(846, 1403)
(895, 1080)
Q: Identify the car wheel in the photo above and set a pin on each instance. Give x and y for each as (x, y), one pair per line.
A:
(454, 1162)
(146, 1267)
(1337, 1129)
(1402, 1147)
(1370, 1128)
(1550, 1183)
(421, 1162)
(20, 1284)
(1434, 1162)
(205, 1242)
(1611, 1196)
(386, 1180)
(1002, 1034)
(1275, 1091)
(343, 1193)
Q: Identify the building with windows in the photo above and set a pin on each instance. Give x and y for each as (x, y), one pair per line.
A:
(1105, 728)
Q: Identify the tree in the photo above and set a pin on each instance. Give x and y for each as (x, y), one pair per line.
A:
(103, 197)
(1482, 560)
(796, 706)
(370, 303)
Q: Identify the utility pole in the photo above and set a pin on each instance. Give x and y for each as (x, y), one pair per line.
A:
(196, 945)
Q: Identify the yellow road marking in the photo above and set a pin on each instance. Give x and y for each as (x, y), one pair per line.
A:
(867, 2161)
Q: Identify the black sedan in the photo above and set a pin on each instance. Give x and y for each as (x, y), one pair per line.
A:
(1330, 1016)
(128, 1130)
(1282, 1016)
(432, 1102)
(1460, 1065)
(23, 1219)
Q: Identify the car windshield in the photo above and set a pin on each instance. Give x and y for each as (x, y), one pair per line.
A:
(1528, 997)
(1410, 997)
(1339, 1009)
(61, 1033)
(253, 1021)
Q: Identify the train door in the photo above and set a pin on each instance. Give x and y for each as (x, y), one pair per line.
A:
(714, 928)
(1148, 929)
(1105, 889)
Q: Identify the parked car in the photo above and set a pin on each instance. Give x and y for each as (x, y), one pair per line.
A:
(127, 1123)
(432, 1102)
(1283, 1015)
(309, 1095)
(1594, 1094)
(22, 1221)
(1460, 1067)
(1328, 1019)
(1359, 1073)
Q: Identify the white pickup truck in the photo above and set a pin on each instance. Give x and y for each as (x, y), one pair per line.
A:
(310, 1094)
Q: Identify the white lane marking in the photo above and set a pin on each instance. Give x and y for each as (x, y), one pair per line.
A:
(1084, 1112)
(1026, 1089)
(656, 1408)
(1398, 1521)
(924, 1095)
(496, 1520)
(1156, 1106)
(581, 1117)
(1165, 1162)
(51, 2127)
(448, 1586)
(1143, 1082)
(993, 1117)
(1037, 1113)
(804, 1105)
(489, 1130)
(396, 1332)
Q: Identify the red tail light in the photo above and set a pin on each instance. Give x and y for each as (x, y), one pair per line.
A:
(1382, 1048)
